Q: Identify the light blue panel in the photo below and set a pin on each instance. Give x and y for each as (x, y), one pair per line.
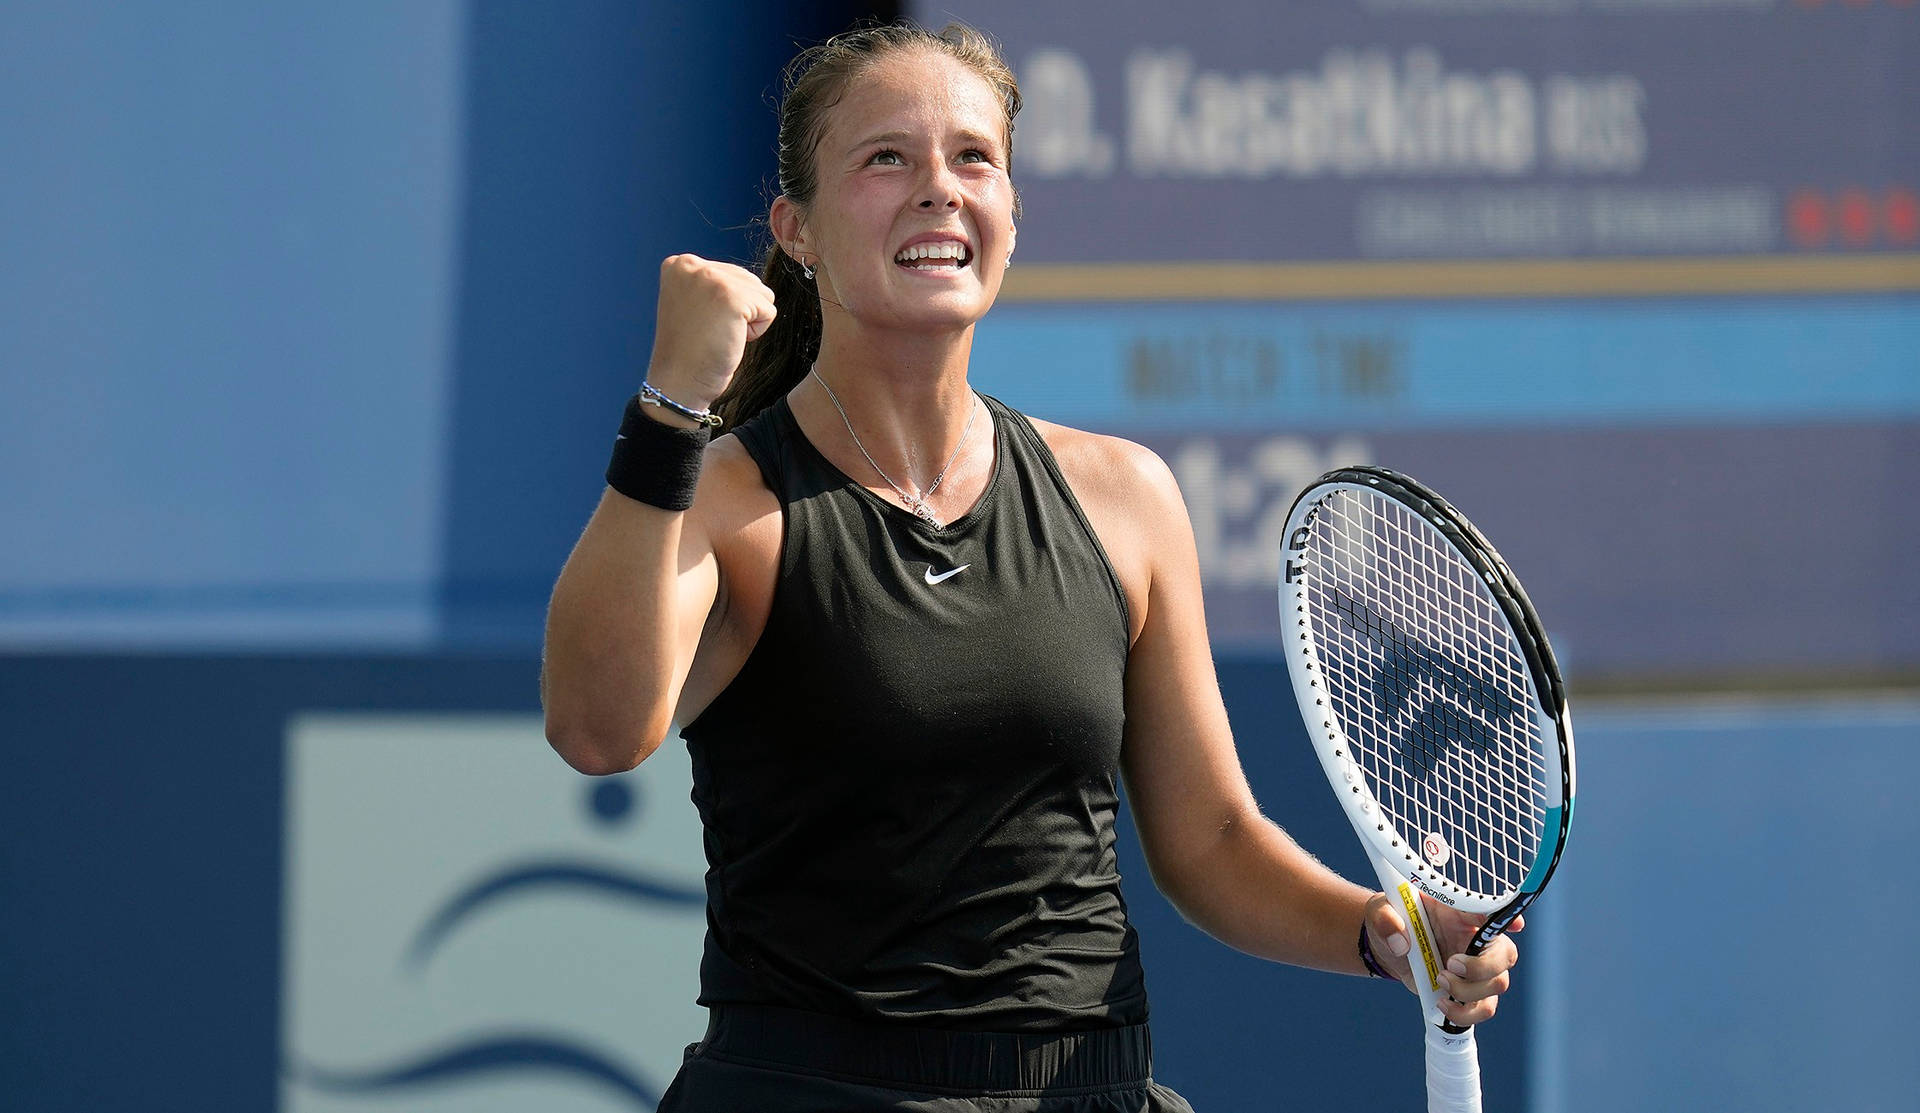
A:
(223, 318)
(1728, 929)
(1241, 366)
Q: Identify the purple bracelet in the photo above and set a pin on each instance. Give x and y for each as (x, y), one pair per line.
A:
(1374, 969)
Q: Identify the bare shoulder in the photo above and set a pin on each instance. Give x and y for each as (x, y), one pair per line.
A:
(734, 503)
(1109, 469)
(726, 454)
(1132, 502)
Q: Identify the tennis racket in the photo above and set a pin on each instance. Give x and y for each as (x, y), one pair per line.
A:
(1436, 707)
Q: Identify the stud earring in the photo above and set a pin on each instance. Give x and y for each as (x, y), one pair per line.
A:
(807, 269)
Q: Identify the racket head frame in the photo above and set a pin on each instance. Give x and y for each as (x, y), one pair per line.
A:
(1387, 846)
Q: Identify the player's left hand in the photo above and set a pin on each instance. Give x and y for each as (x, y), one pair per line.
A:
(1470, 987)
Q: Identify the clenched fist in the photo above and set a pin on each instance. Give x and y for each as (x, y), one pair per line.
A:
(708, 312)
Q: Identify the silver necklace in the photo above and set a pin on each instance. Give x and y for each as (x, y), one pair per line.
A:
(915, 503)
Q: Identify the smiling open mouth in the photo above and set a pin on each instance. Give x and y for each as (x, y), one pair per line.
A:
(945, 255)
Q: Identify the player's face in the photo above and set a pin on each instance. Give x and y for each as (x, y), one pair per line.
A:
(912, 218)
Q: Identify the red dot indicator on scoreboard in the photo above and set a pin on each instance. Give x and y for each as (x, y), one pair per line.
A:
(1902, 216)
(1856, 218)
(1807, 220)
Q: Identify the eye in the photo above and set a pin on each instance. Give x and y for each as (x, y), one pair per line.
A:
(886, 157)
(975, 154)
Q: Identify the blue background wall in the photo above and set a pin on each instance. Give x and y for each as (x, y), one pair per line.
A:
(314, 323)
(143, 884)
(225, 342)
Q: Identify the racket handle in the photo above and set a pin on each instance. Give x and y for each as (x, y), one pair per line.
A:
(1453, 1061)
(1453, 1072)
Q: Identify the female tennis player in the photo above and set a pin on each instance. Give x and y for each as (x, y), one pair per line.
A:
(912, 636)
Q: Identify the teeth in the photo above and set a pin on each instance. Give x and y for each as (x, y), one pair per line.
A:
(943, 249)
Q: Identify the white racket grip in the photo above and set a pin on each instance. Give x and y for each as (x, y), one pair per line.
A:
(1453, 1060)
(1453, 1072)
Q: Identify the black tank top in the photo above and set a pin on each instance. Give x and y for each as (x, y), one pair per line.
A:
(908, 791)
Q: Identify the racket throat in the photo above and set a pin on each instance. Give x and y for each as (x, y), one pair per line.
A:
(1424, 948)
(1423, 952)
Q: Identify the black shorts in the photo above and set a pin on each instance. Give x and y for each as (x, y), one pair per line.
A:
(771, 1060)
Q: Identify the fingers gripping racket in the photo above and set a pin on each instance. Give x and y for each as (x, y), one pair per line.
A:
(1436, 707)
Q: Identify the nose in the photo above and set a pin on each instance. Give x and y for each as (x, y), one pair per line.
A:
(940, 191)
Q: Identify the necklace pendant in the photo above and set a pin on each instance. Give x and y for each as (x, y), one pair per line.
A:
(915, 504)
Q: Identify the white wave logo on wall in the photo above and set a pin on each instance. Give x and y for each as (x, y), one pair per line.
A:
(470, 925)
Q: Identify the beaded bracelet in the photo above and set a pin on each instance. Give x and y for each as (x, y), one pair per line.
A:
(1374, 969)
(652, 397)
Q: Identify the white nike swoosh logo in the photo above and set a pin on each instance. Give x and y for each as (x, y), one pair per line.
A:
(947, 575)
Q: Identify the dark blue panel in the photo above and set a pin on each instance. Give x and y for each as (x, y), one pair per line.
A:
(140, 864)
(1660, 554)
(1244, 130)
(140, 871)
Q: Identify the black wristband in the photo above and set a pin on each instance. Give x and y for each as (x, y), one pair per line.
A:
(1374, 969)
(656, 463)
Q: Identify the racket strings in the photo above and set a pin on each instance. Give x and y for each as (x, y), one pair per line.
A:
(1406, 678)
(1429, 687)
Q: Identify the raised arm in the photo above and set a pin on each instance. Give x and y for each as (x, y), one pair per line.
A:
(631, 605)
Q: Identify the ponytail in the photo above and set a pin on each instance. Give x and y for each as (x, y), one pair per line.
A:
(776, 362)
